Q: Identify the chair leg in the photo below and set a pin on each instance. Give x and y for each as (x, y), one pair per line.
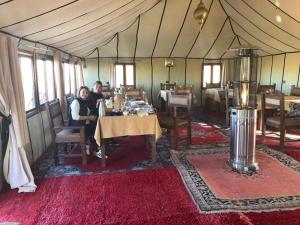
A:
(189, 133)
(282, 138)
(83, 153)
(176, 138)
(56, 159)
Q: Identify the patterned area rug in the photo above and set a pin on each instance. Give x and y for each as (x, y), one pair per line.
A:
(239, 192)
(131, 155)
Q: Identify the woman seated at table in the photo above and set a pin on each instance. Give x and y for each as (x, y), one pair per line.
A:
(80, 115)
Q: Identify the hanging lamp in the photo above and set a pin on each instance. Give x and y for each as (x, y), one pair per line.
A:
(200, 14)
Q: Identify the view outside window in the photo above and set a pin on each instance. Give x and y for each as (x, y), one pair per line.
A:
(41, 80)
(67, 79)
(28, 82)
(50, 80)
(129, 75)
(124, 74)
(72, 78)
(119, 75)
(211, 74)
(78, 74)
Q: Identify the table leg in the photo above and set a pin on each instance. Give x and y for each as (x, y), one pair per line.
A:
(103, 150)
(154, 156)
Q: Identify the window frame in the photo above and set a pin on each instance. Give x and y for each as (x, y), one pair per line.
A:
(44, 58)
(211, 73)
(34, 57)
(124, 72)
(35, 110)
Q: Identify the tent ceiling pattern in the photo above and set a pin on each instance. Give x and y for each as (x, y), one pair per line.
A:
(154, 28)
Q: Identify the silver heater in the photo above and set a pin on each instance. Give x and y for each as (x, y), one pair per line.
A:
(244, 113)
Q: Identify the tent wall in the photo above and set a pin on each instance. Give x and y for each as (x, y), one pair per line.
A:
(284, 71)
(143, 73)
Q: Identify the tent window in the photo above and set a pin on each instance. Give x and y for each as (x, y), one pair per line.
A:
(124, 74)
(70, 78)
(211, 74)
(67, 80)
(26, 64)
(45, 77)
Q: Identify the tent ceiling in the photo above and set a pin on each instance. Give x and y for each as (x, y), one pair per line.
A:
(154, 28)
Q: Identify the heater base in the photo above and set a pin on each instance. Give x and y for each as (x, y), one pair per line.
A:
(244, 169)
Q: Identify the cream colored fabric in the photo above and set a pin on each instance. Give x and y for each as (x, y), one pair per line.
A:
(213, 94)
(16, 168)
(287, 101)
(179, 100)
(78, 27)
(116, 126)
(59, 81)
(225, 73)
(80, 77)
(164, 94)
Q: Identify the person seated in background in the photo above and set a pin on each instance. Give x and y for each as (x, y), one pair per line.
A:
(95, 96)
(80, 115)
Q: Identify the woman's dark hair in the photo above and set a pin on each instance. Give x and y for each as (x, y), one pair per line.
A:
(83, 87)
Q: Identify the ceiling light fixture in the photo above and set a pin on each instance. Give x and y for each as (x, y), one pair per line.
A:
(200, 14)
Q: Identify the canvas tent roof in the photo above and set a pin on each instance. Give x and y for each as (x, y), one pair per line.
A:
(153, 28)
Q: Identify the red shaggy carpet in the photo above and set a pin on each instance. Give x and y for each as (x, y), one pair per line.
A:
(154, 196)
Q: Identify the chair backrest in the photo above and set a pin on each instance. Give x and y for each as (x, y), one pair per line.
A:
(105, 88)
(69, 99)
(127, 87)
(266, 88)
(273, 101)
(295, 91)
(108, 93)
(55, 114)
(213, 85)
(167, 86)
(179, 102)
(183, 90)
(134, 94)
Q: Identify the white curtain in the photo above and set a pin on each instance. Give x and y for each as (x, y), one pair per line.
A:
(59, 80)
(16, 168)
(225, 72)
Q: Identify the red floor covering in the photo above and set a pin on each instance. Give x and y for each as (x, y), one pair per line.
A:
(118, 198)
(122, 198)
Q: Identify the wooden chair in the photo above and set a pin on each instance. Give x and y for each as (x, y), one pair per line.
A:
(182, 90)
(64, 134)
(127, 87)
(69, 99)
(167, 86)
(295, 91)
(266, 88)
(213, 85)
(282, 121)
(179, 115)
(134, 94)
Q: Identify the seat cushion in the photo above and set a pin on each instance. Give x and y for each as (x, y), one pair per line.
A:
(168, 122)
(67, 135)
(289, 122)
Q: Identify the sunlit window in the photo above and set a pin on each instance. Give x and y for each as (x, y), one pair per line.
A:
(211, 74)
(50, 80)
(28, 82)
(78, 75)
(67, 80)
(72, 78)
(41, 80)
(125, 74)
